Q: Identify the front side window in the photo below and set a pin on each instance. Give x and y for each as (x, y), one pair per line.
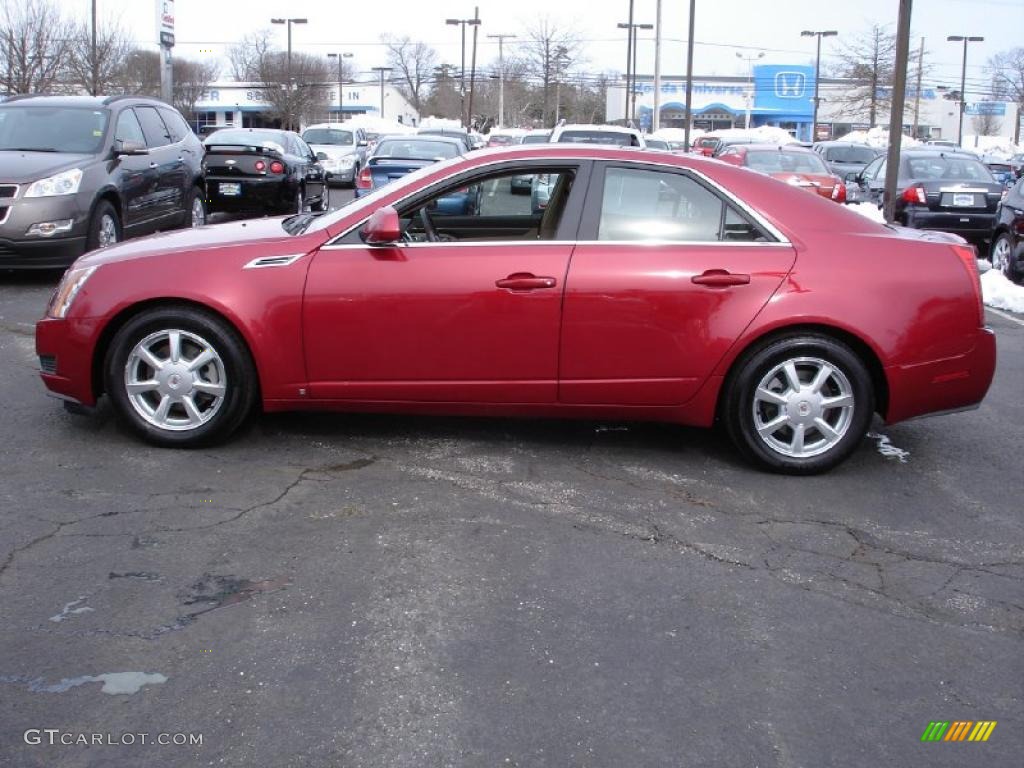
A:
(128, 128)
(641, 204)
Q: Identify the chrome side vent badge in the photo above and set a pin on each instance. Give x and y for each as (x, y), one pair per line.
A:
(274, 261)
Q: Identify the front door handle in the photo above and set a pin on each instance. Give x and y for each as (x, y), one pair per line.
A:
(525, 281)
(720, 278)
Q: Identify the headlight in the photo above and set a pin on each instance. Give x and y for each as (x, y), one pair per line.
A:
(65, 183)
(67, 290)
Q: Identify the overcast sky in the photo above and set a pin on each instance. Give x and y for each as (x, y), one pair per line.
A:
(723, 27)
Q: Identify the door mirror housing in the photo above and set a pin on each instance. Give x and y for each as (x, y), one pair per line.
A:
(321, 155)
(128, 147)
(383, 227)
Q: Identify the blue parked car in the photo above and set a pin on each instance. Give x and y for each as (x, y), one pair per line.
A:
(395, 156)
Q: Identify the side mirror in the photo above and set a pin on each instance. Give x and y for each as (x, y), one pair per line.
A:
(127, 147)
(383, 227)
(321, 155)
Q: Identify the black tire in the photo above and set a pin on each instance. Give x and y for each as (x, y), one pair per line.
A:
(299, 205)
(103, 209)
(195, 193)
(325, 200)
(240, 378)
(1007, 267)
(738, 403)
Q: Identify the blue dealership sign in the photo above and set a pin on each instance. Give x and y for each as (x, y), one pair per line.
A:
(787, 88)
(986, 108)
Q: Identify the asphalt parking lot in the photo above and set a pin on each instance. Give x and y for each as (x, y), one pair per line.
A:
(336, 590)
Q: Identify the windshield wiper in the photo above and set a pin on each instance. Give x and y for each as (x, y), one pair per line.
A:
(28, 149)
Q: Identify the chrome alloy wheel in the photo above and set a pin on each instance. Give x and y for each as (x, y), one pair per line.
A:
(803, 407)
(108, 231)
(175, 380)
(1001, 256)
(198, 212)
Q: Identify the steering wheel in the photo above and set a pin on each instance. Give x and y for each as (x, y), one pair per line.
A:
(428, 226)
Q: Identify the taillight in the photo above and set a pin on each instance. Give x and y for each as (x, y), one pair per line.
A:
(915, 194)
(969, 259)
(365, 180)
(260, 165)
(839, 192)
(276, 167)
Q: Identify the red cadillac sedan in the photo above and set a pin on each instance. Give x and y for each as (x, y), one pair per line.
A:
(651, 286)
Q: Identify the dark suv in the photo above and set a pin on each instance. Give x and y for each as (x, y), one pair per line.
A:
(83, 172)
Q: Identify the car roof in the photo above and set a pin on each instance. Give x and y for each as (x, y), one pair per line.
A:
(435, 137)
(342, 126)
(254, 131)
(598, 128)
(836, 143)
(763, 147)
(94, 102)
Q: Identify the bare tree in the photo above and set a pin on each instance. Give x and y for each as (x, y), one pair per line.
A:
(1007, 70)
(987, 124)
(413, 63)
(140, 73)
(246, 59)
(443, 100)
(191, 80)
(547, 49)
(34, 45)
(304, 94)
(96, 74)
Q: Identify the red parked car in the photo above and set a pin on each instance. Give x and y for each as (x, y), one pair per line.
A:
(652, 286)
(791, 164)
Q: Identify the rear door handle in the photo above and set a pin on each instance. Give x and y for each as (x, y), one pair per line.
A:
(525, 281)
(720, 278)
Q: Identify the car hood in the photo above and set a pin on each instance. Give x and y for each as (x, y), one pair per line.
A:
(267, 233)
(24, 167)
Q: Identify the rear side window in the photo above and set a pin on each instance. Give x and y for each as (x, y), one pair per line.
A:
(128, 128)
(852, 155)
(175, 124)
(156, 132)
(640, 204)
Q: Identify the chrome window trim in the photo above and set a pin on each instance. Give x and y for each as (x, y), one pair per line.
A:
(269, 262)
(781, 239)
(573, 243)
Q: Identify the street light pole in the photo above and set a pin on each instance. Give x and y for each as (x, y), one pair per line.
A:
(631, 29)
(501, 75)
(656, 114)
(817, 69)
(289, 23)
(750, 81)
(689, 75)
(463, 22)
(963, 80)
(341, 83)
(472, 67)
(382, 70)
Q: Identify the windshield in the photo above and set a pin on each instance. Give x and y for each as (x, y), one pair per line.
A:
(851, 155)
(657, 144)
(946, 168)
(676, 145)
(327, 136)
(372, 200)
(271, 139)
(598, 137)
(416, 149)
(537, 138)
(53, 129)
(708, 143)
(501, 140)
(786, 162)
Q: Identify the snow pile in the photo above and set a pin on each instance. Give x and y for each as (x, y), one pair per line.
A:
(766, 134)
(442, 123)
(870, 210)
(995, 147)
(877, 137)
(379, 125)
(1001, 293)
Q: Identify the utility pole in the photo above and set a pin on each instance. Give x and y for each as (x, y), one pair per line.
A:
(381, 71)
(656, 114)
(899, 95)
(341, 83)
(291, 98)
(749, 96)
(463, 22)
(95, 68)
(917, 89)
(817, 70)
(963, 81)
(689, 76)
(472, 67)
(629, 58)
(501, 74)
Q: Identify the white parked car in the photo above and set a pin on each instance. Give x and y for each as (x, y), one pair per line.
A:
(615, 135)
(341, 149)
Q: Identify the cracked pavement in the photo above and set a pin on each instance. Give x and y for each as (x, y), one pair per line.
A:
(335, 590)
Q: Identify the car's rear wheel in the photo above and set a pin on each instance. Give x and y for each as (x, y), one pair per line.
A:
(799, 405)
(300, 201)
(325, 199)
(180, 377)
(196, 216)
(104, 227)
(1002, 256)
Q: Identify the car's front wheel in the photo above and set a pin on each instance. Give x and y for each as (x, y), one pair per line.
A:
(1002, 256)
(104, 227)
(799, 405)
(180, 377)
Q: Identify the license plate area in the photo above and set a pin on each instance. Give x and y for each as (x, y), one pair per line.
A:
(232, 189)
(962, 200)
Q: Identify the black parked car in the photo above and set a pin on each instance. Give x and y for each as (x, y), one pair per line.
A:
(941, 190)
(83, 172)
(846, 159)
(1008, 236)
(262, 169)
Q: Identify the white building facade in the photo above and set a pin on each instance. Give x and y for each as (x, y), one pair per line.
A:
(243, 105)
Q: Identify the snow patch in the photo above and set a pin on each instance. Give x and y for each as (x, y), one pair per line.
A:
(766, 134)
(877, 137)
(887, 449)
(1000, 293)
(69, 609)
(870, 210)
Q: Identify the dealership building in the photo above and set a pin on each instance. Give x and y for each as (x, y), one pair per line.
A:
(783, 96)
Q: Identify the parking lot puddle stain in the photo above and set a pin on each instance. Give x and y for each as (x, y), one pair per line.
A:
(141, 575)
(888, 450)
(221, 591)
(114, 683)
(69, 610)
